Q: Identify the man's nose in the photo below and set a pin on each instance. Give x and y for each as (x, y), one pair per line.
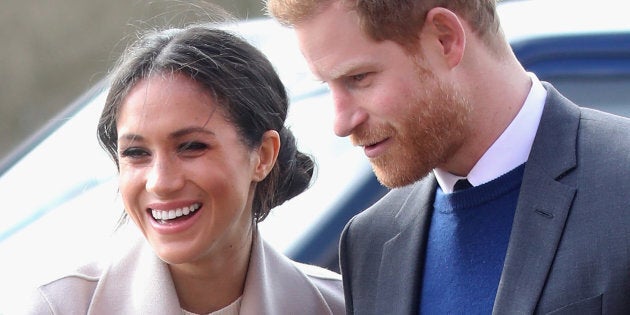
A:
(348, 114)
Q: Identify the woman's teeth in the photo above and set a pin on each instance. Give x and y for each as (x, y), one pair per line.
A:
(175, 213)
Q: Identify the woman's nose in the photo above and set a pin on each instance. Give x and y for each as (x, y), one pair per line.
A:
(164, 177)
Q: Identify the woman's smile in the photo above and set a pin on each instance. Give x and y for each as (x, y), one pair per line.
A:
(164, 216)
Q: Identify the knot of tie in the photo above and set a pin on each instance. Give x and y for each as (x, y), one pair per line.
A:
(462, 184)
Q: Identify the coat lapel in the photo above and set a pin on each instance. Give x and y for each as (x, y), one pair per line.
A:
(542, 208)
(138, 283)
(275, 285)
(403, 255)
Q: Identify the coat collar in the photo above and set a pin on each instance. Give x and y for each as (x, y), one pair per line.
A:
(138, 282)
(403, 255)
(542, 208)
(277, 285)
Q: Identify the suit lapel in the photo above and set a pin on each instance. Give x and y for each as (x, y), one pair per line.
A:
(403, 254)
(542, 208)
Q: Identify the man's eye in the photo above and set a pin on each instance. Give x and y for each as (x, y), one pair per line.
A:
(358, 77)
(192, 146)
(134, 153)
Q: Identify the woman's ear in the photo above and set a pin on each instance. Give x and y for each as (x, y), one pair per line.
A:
(446, 30)
(267, 154)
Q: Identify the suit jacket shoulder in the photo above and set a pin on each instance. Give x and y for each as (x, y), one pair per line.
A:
(570, 238)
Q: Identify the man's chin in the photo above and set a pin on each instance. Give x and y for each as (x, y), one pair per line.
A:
(396, 177)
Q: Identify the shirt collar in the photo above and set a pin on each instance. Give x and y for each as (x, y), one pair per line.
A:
(512, 147)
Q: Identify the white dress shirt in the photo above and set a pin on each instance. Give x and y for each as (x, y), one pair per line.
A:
(512, 147)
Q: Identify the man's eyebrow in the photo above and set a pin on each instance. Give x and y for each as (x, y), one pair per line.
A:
(342, 70)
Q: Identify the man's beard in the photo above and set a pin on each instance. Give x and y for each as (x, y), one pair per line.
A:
(435, 128)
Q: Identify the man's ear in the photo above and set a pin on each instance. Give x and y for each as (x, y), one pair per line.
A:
(267, 154)
(446, 29)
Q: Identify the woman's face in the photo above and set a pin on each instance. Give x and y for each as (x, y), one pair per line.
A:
(186, 178)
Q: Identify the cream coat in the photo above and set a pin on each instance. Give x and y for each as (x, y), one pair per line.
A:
(140, 283)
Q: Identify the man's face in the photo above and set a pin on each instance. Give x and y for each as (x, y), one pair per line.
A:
(386, 99)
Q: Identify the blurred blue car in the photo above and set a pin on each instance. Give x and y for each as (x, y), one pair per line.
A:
(59, 189)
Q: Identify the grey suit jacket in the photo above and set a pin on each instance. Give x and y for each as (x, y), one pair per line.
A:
(140, 283)
(569, 249)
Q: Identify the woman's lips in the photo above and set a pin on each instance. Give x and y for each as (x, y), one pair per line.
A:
(174, 220)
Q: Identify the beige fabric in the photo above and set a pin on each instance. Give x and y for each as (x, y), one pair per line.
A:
(232, 309)
(140, 283)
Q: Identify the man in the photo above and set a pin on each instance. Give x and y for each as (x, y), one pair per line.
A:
(433, 93)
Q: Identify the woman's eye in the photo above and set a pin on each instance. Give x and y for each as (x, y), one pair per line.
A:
(192, 146)
(134, 153)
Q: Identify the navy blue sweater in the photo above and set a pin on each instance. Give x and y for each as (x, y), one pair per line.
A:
(467, 242)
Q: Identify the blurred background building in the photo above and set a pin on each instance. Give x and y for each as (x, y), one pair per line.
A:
(53, 51)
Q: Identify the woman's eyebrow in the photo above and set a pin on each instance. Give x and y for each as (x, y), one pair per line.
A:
(130, 137)
(187, 131)
(177, 134)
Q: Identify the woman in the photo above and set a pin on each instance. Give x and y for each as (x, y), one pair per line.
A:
(194, 121)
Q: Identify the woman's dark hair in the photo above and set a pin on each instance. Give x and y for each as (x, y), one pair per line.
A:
(243, 83)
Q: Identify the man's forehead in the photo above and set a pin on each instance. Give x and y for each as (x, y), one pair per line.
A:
(329, 42)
